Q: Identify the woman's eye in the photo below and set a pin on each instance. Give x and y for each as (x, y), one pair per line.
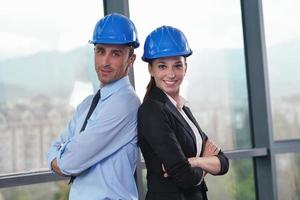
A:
(161, 66)
(178, 66)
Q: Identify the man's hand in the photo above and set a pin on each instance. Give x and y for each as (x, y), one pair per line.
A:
(55, 167)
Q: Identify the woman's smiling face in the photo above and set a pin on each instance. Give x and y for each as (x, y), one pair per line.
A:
(168, 73)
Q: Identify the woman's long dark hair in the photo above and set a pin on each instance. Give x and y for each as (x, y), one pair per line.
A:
(150, 85)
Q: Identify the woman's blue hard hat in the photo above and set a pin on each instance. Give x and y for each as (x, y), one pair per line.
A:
(165, 41)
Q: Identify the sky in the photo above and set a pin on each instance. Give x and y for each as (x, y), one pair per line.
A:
(33, 25)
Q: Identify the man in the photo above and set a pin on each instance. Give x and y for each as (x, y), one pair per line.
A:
(98, 149)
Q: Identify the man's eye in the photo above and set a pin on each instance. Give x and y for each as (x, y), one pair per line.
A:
(116, 54)
(161, 66)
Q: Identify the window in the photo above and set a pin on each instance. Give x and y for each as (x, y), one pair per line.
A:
(283, 47)
(46, 69)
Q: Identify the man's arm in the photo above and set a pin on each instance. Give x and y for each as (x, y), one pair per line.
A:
(106, 132)
(65, 136)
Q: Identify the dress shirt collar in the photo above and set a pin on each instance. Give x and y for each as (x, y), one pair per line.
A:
(111, 88)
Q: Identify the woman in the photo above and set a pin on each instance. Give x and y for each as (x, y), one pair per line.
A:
(177, 153)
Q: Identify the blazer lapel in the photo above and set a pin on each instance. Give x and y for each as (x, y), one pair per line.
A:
(159, 95)
(180, 118)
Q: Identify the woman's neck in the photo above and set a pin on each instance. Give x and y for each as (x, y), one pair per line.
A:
(175, 96)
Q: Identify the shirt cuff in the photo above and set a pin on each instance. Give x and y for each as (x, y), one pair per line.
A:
(51, 155)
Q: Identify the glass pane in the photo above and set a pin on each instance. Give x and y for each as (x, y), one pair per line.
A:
(288, 176)
(48, 191)
(283, 46)
(215, 84)
(237, 184)
(46, 69)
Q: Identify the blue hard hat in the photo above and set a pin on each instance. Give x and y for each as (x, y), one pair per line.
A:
(165, 41)
(115, 29)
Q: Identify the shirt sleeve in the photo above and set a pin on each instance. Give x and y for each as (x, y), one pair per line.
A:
(67, 134)
(106, 132)
(224, 163)
(154, 125)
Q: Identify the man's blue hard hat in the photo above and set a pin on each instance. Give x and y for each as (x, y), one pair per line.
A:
(115, 29)
(165, 41)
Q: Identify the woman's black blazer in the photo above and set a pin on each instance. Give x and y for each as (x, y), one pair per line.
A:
(165, 137)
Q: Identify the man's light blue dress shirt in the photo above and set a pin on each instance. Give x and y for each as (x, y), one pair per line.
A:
(104, 155)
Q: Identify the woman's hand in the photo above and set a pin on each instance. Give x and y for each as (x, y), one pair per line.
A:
(207, 162)
(210, 149)
(164, 170)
